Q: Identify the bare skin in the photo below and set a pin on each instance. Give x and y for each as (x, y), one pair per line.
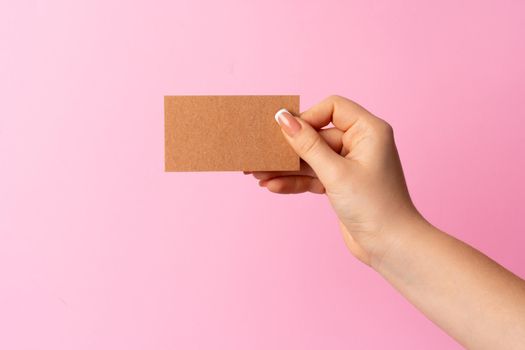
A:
(356, 164)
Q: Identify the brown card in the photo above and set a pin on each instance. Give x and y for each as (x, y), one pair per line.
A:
(213, 133)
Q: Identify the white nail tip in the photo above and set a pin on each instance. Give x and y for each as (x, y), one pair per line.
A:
(282, 110)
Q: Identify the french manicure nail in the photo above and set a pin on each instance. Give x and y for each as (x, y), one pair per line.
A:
(288, 123)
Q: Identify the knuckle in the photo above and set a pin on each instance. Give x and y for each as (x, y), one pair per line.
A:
(384, 129)
(388, 129)
(335, 98)
(299, 184)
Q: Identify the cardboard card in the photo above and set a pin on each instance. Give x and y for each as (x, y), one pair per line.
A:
(227, 133)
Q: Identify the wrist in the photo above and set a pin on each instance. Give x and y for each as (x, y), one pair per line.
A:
(396, 237)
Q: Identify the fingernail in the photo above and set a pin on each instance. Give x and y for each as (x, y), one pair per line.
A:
(288, 123)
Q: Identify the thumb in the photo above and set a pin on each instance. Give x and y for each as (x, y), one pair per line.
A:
(310, 146)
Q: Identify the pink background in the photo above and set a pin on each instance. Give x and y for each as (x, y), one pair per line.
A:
(100, 249)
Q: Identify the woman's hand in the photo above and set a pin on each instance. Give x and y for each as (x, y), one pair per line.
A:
(356, 164)
(468, 295)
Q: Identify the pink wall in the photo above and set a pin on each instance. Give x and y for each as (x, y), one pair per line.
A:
(100, 249)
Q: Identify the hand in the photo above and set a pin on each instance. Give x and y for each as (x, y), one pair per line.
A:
(357, 165)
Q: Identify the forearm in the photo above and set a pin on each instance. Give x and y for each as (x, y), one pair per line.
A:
(471, 297)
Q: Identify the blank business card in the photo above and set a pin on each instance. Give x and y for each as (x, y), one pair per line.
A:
(227, 133)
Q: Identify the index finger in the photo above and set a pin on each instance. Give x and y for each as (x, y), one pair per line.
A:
(342, 112)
